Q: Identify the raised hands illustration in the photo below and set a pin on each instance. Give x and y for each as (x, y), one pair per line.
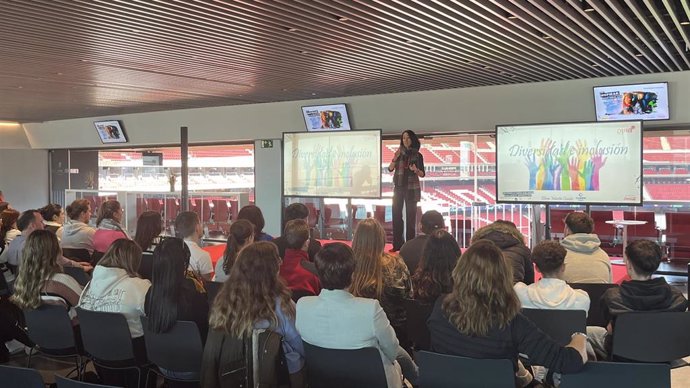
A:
(533, 168)
(587, 172)
(574, 173)
(598, 161)
(563, 163)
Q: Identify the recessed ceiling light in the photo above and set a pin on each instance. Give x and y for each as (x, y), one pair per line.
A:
(685, 23)
(303, 52)
(20, 87)
(595, 65)
(313, 94)
(285, 90)
(343, 19)
(639, 55)
(291, 29)
(8, 123)
(546, 36)
(58, 73)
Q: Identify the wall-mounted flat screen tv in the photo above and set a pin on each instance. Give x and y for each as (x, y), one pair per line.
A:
(326, 118)
(110, 131)
(632, 102)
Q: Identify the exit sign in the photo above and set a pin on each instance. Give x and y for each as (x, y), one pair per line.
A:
(266, 143)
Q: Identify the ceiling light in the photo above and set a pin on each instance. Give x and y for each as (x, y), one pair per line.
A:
(545, 36)
(291, 29)
(585, 6)
(343, 19)
(685, 23)
(595, 65)
(639, 55)
(510, 15)
(303, 52)
(8, 123)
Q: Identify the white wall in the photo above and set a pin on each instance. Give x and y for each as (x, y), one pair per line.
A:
(24, 177)
(13, 137)
(466, 110)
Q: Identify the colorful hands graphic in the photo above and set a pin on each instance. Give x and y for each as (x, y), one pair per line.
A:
(574, 168)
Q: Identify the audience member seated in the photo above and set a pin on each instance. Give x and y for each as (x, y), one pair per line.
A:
(8, 231)
(241, 234)
(642, 293)
(76, 233)
(335, 319)
(149, 229)
(115, 288)
(53, 217)
(253, 297)
(174, 296)
(585, 262)
(298, 211)
(411, 251)
(508, 238)
(433, 275)
(254, 215)
(297, 277)
(40, 278)
(188, 226)
(108, 226)
(28, 222)
(481, 318)
(381, 276)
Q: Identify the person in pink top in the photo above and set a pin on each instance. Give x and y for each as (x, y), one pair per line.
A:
(291, 270)
(108, 226)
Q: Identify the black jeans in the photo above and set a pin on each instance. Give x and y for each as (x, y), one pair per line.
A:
(403, 196)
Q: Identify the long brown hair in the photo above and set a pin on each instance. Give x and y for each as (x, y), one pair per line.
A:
(483, 296)
(125, 254)
(368, 244)
(39, 263)
(107, 210)
(149, 227)
(249, 295)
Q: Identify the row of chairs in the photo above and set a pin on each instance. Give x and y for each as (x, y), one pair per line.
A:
(16, 377)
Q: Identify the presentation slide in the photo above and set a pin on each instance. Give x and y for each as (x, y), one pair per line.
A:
(632, 102)
(326, 117)
(579, 163)
(332, 164)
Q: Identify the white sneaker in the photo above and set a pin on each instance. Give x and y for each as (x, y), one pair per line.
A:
(14, 347)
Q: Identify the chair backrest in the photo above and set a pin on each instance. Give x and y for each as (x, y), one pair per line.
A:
(335, 368)
(595, 316)
(106, 336)
(212, 289)
(558, 324)
(652, 336)
(50, 327)
(78, 274)
(63, 382)
(445, 371)
(76, 254)
(617, 374)
(178, 350)
(15, 377)
(417, 331)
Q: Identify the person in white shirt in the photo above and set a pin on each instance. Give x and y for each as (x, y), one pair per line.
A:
(335, 319)
(585, 262)
(188, 226)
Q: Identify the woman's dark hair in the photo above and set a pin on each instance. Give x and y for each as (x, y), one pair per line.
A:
(335, 264)
(4, 206)
(170, 262)
(9, 218)
(413, 136)
(108, 208)
(433, 276)
(50, 210)
(149, 226)
(253, 214)
(240, 232)
(76, 208)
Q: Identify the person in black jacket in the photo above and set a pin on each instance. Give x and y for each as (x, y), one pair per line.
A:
(481, 318)
(511, 242)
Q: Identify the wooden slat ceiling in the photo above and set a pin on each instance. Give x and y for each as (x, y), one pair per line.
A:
(66, 59)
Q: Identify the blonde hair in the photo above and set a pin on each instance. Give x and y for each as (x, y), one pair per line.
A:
(125, 254)
(368, 244)
(483, 296)
(39, 264)
(250, 292)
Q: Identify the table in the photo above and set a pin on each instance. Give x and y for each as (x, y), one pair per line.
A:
(624, 224)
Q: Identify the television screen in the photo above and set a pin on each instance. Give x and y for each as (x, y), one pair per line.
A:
(578, 163)
(326, 117)
(332, 164)
(632, 102)
(110, 131)
(152, 158)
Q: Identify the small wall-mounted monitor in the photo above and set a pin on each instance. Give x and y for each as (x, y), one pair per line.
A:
(110, 131)
(326, 118)
(632, 102)
(152, 158)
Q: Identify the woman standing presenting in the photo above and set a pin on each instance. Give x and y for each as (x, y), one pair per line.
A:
(408, 167)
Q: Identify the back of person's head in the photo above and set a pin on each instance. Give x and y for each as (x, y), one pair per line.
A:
(124, 254)
(108, 210)
(483, 296)
(77, 208)
(186, 224)
(254, 215)
(431, 221)
(433, 275)
(4, 206)
(335, 264)
(149, 227)
(549, 256)
(39, 262)
(241, 233)
(27, 219)
(578, 222)
(296, 233)
(296, 211)
(500, 226)
(51, 211)
(368, 244)
(249, 295)
(644, 256)
(9, 218)
(170, 262)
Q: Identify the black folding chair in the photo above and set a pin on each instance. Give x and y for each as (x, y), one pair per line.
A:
(62, 382)
(179, 350)
(417, 331)
(558, 324)
(595, 315)
(16, 377)
(50, 328)
(652, 337)
(77, 254)
(617, 374)
(344, 368)
(78, 274)
(446, 371)
(212, 289)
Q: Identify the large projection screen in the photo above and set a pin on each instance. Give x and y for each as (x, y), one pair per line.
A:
(332, 164)
(578, 163)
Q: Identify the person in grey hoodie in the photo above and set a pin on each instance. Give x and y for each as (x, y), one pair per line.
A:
(585, 261)
(76, 233)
